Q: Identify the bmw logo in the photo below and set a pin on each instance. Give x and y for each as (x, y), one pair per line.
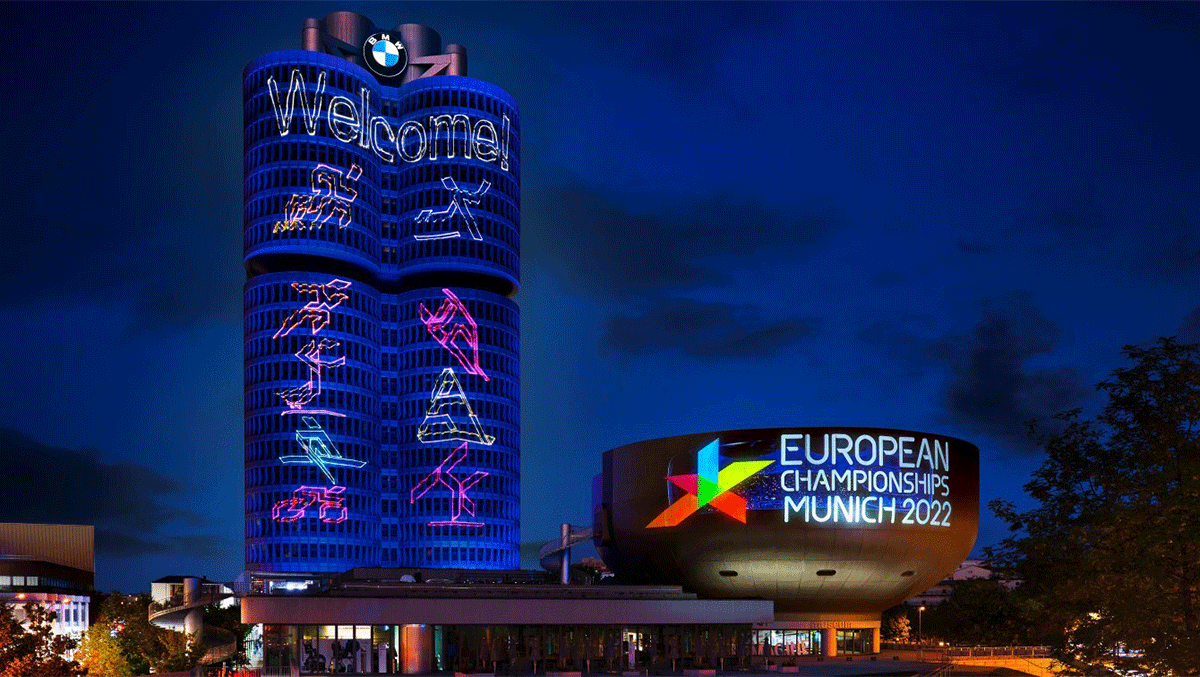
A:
(385, 55)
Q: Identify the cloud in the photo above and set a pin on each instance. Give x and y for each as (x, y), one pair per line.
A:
(128, 504)
(614, 250)
(990, 387)
(706, 330)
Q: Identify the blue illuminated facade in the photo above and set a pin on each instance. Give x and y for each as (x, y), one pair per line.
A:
(382, 376)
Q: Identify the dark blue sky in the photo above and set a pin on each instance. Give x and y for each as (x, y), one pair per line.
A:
(944, 217)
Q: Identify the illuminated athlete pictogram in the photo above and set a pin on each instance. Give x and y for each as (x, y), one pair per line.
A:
(319, 450)
(322, 299)
(330, 196)
(459, 503)
(709, 486)
(330, 501)
(450, 416)
(296, 398)
(461, 202)
(454, 328)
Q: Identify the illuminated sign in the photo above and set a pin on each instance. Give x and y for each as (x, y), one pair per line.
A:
(458, 486)
(864, 478)
(709, 486)
(454, 328)
(319, 450)
(329, 501)
(329, 197)
(349, 121)
(384, 55)
(296, 398)
(322, 299)
(450, 416)
(461, 202)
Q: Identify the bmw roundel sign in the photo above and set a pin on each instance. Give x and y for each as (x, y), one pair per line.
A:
(385, 55)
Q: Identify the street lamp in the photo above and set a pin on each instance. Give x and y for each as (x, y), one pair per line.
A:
(920, 632)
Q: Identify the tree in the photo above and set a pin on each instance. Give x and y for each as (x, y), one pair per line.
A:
(896, 626)
(33, 649)
(100, 652)
(144, 646)
(979, 612)
(1112, 549)
(174, 652)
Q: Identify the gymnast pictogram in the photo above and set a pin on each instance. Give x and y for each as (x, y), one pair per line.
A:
(458, 487)
(454, 328)
(461, 202)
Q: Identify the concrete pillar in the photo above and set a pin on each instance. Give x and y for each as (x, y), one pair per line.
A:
(191, 589)
(876, 640)
(458, 59)
(829, 642)
(310, 36)
(416, 649)
(193, 623)
(565, 557)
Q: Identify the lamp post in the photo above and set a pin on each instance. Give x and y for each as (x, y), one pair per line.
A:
(920, 632)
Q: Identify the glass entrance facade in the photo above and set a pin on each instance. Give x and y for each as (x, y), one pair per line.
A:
(787, 642)
(537, 649)
(505, 649)
(854, 642)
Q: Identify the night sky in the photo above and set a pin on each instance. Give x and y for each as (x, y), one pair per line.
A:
(941, 217)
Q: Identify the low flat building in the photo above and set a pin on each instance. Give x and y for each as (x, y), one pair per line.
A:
(401, 621)
(52, 565)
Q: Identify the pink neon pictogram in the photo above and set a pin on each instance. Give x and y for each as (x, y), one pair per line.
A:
(455, 329)
(330, 500)
(322, 299)
(461, 202)
(310, 354)
(459, 503)
(330, 197)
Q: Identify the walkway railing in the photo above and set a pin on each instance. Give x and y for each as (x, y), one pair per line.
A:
(998, 651)
(179, 603)
(219, 653)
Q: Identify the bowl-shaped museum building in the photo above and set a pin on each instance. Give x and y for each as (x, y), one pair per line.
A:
(833, 525)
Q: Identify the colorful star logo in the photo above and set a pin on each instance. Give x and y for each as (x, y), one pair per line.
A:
(709, 486)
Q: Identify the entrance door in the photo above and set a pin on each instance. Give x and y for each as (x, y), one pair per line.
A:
(630, 644)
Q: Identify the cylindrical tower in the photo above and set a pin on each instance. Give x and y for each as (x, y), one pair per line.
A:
(382, 220)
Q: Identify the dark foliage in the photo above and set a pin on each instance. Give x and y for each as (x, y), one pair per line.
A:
(33, 650)
(1112, 550)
